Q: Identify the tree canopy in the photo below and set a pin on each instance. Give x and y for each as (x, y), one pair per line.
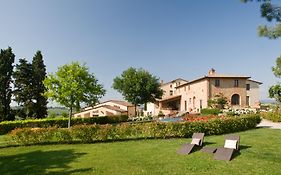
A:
(272, 13)
(138, 86)
(72, 85)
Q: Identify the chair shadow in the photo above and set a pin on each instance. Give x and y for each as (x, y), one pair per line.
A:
(238, 153)
(208, 143)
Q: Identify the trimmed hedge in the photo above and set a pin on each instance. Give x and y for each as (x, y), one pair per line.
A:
(210, 111)
(273, 116)
(125, 131)
(8, 126)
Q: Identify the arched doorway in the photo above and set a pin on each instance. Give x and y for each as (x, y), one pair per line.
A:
(235, 99)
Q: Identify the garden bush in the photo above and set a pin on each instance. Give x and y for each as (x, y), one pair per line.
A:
(123, 131)
(210, 111)
(7, 126)
(273, 116)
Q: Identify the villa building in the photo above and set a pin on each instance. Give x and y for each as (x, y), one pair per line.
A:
(192, 96)
(108, 108)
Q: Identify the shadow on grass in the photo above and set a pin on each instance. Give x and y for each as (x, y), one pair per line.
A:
(238, 153)
(41, 162)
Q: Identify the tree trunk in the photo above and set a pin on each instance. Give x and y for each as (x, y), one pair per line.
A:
(69, 118)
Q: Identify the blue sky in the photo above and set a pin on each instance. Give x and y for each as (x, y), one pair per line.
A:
(169, 38)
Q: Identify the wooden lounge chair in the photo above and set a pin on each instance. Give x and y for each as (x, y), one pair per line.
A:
(231, 145)
(197, 140)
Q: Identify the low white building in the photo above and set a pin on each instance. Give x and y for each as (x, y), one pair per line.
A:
(108, 108)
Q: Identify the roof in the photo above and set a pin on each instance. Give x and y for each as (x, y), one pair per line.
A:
(124, 103)
(113, 108)
(174, 81)
(215, 76)
(169, 98)
(105, 106)
(226, 76)
(255, 81)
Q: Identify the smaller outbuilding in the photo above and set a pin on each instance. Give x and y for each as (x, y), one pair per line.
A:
(108, 108)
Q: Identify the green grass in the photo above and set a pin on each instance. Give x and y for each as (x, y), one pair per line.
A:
(260, 154)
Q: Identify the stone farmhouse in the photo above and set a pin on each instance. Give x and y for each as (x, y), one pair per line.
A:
(191, 96)
(108, 108)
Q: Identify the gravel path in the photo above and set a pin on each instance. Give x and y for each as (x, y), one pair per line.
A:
(269, 124)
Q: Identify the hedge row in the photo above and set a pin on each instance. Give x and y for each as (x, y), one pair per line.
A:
(8, 126)
(124, 131)
(273, 116)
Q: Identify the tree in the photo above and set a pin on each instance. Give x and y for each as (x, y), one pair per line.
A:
(39, 75)
(7, 59)
(138, 86)
(275, 92)
(72, 85)
(271, 12)
(219, 101)
(23, 87)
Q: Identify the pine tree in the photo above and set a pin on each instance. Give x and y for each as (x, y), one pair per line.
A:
(7, 59)
(39, 74)
(23, 91)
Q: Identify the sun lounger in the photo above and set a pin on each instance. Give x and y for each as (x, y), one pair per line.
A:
(231, 145)
(197, 141)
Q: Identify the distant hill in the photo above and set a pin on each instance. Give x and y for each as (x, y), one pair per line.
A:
(268, 101)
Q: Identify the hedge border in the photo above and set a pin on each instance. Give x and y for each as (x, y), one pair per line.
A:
(127, 131)
(7, 126)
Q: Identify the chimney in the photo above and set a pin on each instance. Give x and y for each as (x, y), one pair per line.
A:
(161, 82)
(212, 71)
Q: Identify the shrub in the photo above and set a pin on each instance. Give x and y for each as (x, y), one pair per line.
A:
(8, 126)
(123, 131)
(208, 111)
(273, 116)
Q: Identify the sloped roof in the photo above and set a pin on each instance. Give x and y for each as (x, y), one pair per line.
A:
(113, 108)
(124, 103)
(169, 98)
(215, 76)
(255, 81)
(174, 81)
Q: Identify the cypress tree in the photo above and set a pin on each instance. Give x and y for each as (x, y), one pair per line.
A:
(39, 74)
(23, 91)
(7, 59)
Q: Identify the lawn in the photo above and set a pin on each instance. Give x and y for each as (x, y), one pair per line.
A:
(260, 154)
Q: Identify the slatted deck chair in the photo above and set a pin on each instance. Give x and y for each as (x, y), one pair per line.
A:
(231, 145)
(197, 141)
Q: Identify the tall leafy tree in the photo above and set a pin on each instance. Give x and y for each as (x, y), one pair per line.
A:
(7, 59)
(39, 75)
(138, 86)
(72, 85)
(23, 85)
(272, 13)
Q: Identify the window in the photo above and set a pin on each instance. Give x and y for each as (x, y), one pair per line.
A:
(236, 83)
(189, 100)
(185, 105)
(248, 87)
(217, 83)
(184, 88)
(248, 101)
(188, 87)
(171, 86)
(171, 92)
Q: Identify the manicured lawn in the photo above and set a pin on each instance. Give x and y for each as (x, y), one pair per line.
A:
(260, 154)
